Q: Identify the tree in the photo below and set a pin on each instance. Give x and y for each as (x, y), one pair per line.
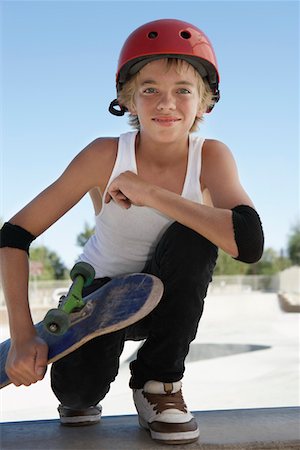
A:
(270, 263)
(294, 244)
(226, 265)
(50, 265)
(84, 236)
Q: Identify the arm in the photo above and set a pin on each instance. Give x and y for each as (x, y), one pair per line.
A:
(28, 355)
(27, 350)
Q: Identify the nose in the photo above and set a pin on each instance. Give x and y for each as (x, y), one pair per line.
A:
(166, 102)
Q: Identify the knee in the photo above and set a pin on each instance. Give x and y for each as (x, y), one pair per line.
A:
(186, 252)
(184, 241)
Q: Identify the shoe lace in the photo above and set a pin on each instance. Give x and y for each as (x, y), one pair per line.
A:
(161, 402)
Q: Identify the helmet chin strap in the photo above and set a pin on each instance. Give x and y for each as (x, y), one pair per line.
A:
(120, 111)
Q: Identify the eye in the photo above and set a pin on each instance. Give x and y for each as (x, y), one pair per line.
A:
(150, 90)
(184, 91)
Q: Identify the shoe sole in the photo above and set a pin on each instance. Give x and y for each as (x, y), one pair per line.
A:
(71, 420)
(79, 421)
(186, 437)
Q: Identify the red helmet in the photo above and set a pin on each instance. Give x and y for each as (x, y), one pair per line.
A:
(169, 38)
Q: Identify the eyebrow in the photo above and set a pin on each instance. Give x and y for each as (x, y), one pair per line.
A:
(182, 82)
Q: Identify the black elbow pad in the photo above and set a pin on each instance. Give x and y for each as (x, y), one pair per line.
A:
(15, 236)
(248, 233)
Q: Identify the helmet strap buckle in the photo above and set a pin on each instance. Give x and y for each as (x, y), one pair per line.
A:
(119, 111)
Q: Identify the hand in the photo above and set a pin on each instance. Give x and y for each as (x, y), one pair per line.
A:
(128, 189)
(27, 361)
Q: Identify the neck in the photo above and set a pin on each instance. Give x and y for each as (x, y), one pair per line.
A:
(161, 153)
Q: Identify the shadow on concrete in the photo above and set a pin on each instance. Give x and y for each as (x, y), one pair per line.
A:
(209, 351)
(204, 351)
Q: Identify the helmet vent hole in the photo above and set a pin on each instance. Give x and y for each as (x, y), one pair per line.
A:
(152, 34)
(185, 34)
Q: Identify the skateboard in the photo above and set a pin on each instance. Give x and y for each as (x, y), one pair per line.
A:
(121, 302)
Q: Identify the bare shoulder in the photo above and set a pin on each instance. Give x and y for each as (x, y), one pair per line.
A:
(219, 175)
(97, 160)
(103, 145)
(216, 158)
(214, 150)
(100, 150)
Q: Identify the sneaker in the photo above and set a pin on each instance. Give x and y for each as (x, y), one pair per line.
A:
(161, 409)
(79, 417)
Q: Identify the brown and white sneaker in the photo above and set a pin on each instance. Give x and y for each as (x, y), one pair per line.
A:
(79, 417)
(162, 410)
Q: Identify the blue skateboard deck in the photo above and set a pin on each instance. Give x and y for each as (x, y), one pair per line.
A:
(116, 305)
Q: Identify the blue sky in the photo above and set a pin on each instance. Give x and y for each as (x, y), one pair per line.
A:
(58, 70)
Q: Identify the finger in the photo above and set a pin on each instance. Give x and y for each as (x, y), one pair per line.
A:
(116, 193)
(40, 372)
(19, 374)
(123, 203)
(111, 194)
(21, 379)
(25, 372)
(120, 199)
(40, 368)
(108, 198)
(121, 196)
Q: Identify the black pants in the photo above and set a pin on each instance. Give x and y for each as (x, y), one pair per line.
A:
(184, 261)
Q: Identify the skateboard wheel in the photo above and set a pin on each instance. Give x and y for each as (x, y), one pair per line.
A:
(56, 321)
(85, 270)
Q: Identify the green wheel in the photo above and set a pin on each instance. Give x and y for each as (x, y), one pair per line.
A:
(56, 321)
(85, 270)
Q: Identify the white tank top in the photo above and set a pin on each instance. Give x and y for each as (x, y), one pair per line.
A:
(125, 239)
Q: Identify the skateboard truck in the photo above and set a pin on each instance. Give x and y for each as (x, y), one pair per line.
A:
(71, 307)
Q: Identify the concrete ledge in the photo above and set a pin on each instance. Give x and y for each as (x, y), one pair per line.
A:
(244, 429)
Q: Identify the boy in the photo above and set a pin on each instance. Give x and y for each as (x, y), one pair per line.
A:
(164, 200)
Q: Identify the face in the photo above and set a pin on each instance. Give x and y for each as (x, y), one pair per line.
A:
(166, 99)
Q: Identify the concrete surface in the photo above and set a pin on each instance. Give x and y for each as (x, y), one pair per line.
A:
(242, 373)
(274, 428)
(245, 355)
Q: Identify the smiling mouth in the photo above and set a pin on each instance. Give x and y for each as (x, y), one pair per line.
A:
(165, 120)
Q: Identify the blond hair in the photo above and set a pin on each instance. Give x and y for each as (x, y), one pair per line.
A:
(127, 93)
